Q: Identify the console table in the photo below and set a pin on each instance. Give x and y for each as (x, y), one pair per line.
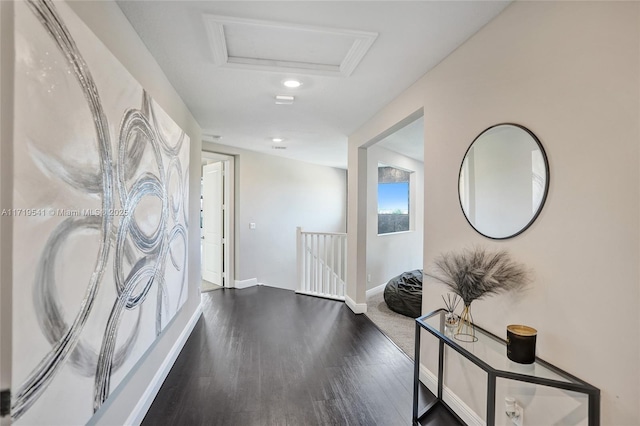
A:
(496, 364)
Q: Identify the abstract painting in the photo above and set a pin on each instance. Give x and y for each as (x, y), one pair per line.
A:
(100, 210)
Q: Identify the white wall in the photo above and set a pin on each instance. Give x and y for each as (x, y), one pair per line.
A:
(390, 255)
(112, 27)
(279, 194)
(569, 71)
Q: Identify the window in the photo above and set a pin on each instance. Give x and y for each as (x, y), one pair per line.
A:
(393, 199)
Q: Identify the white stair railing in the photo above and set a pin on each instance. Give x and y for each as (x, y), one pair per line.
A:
(322, 264)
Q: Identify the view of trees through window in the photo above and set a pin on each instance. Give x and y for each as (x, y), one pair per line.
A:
(393, 199)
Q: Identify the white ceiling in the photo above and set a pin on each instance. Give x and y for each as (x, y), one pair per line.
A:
(227, 60)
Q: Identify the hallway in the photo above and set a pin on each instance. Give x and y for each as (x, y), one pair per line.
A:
(264, 356)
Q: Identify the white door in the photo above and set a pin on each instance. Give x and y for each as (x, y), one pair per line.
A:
(212, 222)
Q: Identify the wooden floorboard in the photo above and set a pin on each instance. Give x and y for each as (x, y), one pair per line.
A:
(265, 356)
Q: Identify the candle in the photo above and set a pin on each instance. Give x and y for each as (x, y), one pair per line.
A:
(521, 343)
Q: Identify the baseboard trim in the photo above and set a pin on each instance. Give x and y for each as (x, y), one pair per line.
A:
(463, 411)
(251, 282)
(357, 308)
(275, 286)
(143, 405)
(376, 290)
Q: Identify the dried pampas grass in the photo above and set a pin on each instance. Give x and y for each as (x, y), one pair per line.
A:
(475, 273)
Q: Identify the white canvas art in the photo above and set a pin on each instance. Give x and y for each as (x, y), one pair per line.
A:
(100, 219)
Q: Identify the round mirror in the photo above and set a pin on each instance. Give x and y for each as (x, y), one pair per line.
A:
(503, 181)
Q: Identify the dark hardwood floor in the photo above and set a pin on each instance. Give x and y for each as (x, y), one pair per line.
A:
(264, 356)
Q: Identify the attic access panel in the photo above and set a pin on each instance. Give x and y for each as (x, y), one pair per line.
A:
(279, 46)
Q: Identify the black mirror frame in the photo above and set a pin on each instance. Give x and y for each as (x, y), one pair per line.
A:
(546, 187)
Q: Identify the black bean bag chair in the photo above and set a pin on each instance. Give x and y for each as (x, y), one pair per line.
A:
(403, 294)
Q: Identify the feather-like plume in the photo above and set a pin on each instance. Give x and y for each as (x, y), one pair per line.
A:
(475, 273)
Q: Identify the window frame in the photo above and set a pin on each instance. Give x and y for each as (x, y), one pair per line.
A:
(388, 174)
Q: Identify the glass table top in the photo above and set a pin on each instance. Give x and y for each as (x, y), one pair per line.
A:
(492, 351)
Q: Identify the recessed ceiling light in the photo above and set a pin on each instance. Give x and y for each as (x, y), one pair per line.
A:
(284, 100)
(292, 84)
(277, 140)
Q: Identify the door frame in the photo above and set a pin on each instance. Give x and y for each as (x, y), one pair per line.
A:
(212, 233)
(357, 202)
(370, 170)
(229, 231)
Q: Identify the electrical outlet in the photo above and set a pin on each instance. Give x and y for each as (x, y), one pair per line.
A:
(514, 411)
(252, 225)
(368, 278)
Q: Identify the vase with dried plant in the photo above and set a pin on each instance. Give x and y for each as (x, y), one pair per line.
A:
(476, 273)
